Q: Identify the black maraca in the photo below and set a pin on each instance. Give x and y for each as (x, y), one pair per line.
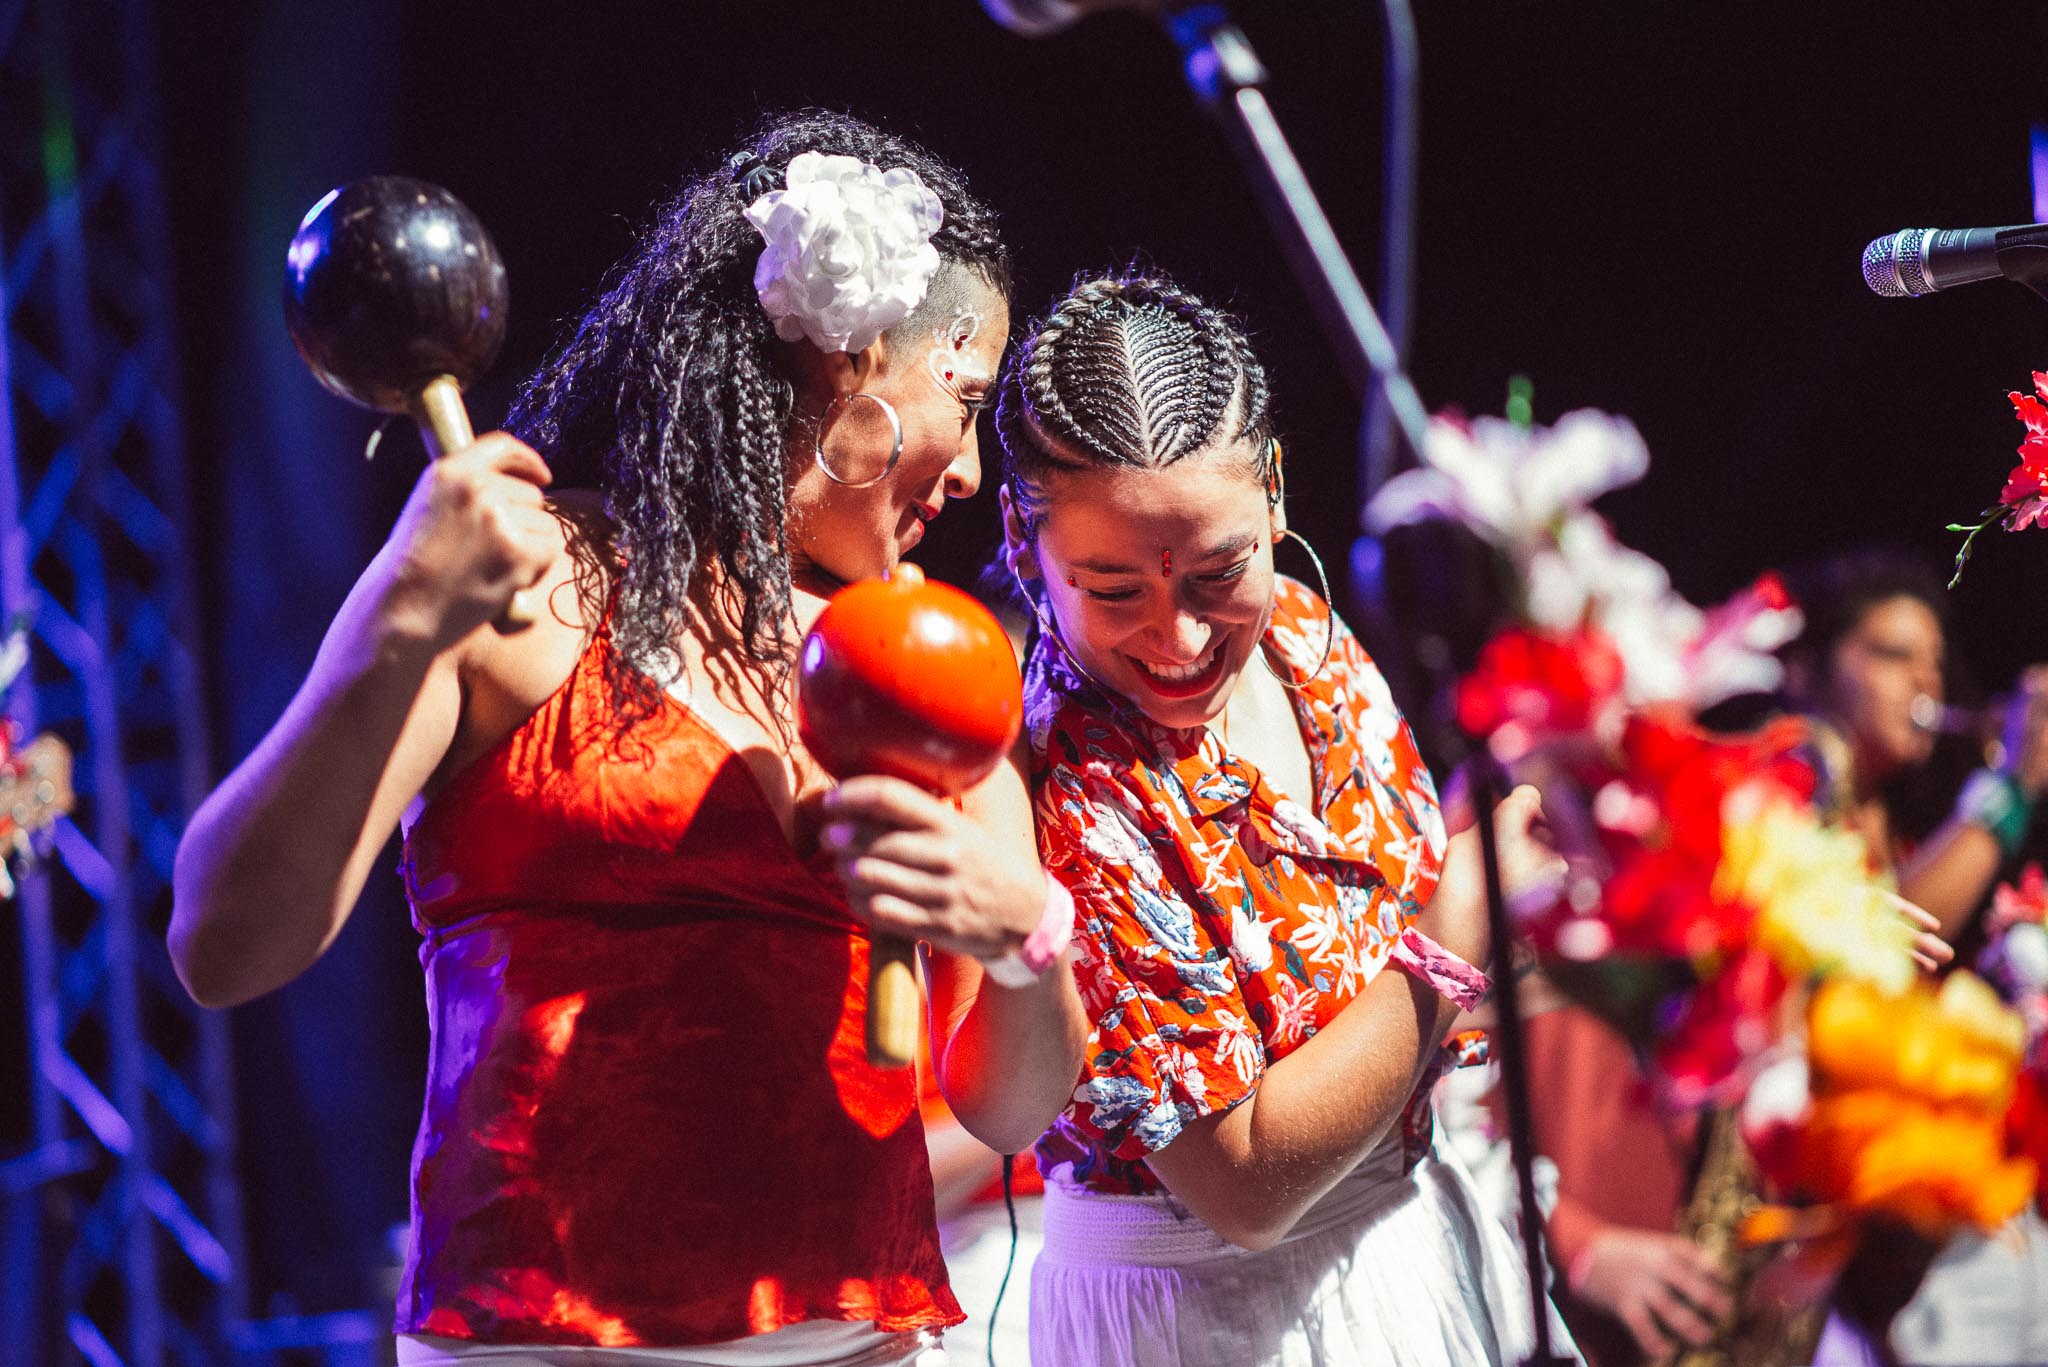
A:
(395, 297)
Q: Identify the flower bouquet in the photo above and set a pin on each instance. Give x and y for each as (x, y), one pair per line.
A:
(1590, 691)
(1744, 946)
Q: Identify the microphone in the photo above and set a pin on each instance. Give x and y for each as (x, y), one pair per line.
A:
(1922, 260)
(1042, 18)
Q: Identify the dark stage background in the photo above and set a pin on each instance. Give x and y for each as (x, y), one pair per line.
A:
(1653, 209)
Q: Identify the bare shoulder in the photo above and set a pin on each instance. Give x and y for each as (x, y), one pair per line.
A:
(505, 676)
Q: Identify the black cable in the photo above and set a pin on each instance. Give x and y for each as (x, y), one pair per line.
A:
(1009, 1205)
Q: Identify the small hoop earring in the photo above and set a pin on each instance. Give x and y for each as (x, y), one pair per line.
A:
(1051, 633)
(1024, 591)
(895, 433)
(1329, 631)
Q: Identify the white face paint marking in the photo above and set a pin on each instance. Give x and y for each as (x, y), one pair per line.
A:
(952, 370)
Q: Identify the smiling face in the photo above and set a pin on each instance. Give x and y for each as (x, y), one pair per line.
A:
(1892, 654)
(1160, 579)
(936, 370)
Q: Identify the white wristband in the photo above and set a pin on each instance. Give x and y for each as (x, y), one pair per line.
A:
(1043, 947)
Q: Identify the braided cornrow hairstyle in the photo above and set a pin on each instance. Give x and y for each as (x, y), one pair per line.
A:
(1127, 370)
(669, 396)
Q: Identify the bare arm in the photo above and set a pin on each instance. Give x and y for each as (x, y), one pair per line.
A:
(275, 858)
(1956, 866)
(1951, 872)
(1252, 1172)
(967, 883)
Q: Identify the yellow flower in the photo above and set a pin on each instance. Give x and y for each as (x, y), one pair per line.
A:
(1818, 909)
(1958, 1045)
(1910, 1096)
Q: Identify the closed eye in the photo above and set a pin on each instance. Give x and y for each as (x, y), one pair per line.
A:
(1226, 576)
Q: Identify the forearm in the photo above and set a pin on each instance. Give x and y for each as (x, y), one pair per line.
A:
(1951, 872)
(1572, 1227)
(274, 859)
(1008, 1057)
(1252, 1173)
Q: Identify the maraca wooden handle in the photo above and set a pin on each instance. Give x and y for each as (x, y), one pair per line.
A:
(444, 426)
(892, 1002)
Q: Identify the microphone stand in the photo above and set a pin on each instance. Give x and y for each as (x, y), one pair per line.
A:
(1400, 146)
(1226, 76)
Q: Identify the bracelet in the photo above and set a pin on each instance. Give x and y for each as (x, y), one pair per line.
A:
(1042, 947)
(1581, 1268)
(1994, 800)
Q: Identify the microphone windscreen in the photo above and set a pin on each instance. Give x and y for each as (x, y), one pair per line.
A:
(1892, 265)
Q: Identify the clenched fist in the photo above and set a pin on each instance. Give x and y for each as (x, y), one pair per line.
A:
(475, 532)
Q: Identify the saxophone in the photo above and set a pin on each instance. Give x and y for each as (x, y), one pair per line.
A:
(1757, 1332)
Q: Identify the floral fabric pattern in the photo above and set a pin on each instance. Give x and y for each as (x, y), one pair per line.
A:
(1220, 922)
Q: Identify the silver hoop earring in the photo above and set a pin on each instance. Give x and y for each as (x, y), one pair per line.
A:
(895, 433)
(1045, 625)
(1329, 631)
(1051, 634)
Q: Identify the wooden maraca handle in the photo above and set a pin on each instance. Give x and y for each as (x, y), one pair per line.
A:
(893, 1006)
(444, 426)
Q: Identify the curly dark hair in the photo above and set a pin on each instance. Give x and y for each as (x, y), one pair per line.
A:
(1834, 595)
(1128, 370)
(670, 387)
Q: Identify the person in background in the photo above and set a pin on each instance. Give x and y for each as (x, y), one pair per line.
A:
(1873, 666)
(1874, 643)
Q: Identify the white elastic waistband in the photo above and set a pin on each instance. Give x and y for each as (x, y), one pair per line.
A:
(1086, 1227)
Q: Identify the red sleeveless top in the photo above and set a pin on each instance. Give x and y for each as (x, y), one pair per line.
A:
(649, 1119)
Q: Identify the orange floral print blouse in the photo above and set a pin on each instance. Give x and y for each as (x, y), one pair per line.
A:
(1221, 922)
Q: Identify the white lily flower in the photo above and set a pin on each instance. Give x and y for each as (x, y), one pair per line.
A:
(1511, 484)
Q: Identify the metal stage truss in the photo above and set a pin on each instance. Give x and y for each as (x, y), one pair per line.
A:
(122, 1220)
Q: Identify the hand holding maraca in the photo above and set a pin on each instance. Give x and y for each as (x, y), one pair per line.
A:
(909, 683)
(475, 533)
(917, 869)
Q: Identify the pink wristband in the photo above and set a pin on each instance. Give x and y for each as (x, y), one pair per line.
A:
(1043, 947)
(1442, 971)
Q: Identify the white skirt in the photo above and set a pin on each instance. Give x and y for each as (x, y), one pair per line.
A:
(1401, 1269)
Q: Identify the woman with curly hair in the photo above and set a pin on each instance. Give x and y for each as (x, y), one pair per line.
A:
(649, 1120)
(1247, 1172)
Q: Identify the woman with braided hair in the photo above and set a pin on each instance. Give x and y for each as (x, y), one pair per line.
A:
(1246, 1173)
(650, 1122)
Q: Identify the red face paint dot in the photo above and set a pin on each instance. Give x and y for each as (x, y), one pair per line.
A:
(949, 374)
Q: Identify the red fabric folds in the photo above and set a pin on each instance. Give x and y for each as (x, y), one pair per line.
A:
(649, 1116)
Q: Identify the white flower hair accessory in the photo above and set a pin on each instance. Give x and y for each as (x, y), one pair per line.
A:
(849, 250)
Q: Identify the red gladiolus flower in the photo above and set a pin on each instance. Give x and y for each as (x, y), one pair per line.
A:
(1533, 685)
(2026, 1125)
(2029, 479)
(1723, 1030)
(2023, 503)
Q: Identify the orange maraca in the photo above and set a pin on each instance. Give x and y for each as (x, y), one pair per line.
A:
(917, 681)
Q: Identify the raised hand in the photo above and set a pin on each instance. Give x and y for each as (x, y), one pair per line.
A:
(475, 532)
(2025, 734)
